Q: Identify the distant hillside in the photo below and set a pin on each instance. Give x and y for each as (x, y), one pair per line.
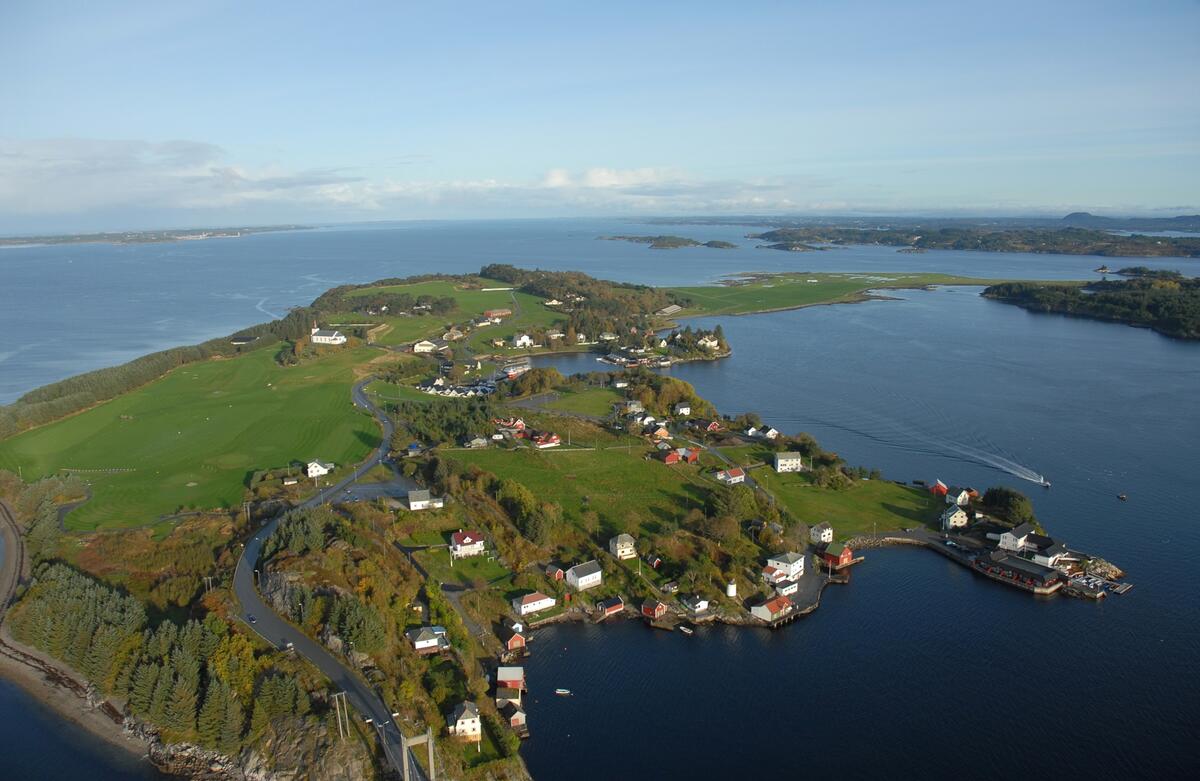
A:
(1185, 222)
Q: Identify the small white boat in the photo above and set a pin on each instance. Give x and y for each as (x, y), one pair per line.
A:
(687, 630)
(563, 692)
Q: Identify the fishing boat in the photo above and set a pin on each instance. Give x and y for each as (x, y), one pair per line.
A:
(1122, 497)
(687, 630)
(563, 692)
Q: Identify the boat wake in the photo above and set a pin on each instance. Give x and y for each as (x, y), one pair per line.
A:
(259, 306)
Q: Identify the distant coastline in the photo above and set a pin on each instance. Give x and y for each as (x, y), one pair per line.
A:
(144, 237)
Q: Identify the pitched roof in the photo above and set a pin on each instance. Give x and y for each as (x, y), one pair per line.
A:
(787, 558)
(610, 603)
(419, 494)
(466, 538)
(624, 539)
(1022, 530)
(835, 549)
(536, 596)
(465, 710)
(510, 674)
(586, 568)
(822, 526)
(777, 605)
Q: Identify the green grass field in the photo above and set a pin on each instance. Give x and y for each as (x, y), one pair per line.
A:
(593, 401)
(790, 291)
(614, 483)
(463, 571)
(191, 439)
(528, 310)
(866, 506)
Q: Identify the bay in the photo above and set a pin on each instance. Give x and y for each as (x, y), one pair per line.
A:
(916, 666)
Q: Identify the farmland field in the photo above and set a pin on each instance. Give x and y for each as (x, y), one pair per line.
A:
(615, 483)
(191, 439)
(795, 290)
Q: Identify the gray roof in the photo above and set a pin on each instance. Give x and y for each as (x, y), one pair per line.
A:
(465, 710)
(787, 558)
(788, 454)
(586, 568)
(1023, 529)
(823, 525)
(324, 332)
(419, 495)
(624, 539)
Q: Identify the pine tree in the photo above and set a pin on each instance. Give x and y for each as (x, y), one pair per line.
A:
(232, 725)
(145, 679)
(212, 713)
(181, 708)
(162, 692)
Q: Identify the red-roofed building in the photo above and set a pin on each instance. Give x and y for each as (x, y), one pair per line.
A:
(682, 455)
(713, 426)
(732, 476)
(772, 609)
(464, 544)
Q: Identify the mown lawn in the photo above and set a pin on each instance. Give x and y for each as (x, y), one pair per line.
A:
(464, 572)
(191, 439)
(787, 291)
(866, 506)
(528, 313)
(615, 483)
(597, 402)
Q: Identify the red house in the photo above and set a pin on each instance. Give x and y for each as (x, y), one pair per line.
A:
(653, 609)
(682, 455)
(939, 488)
(513, 641)
(837, 555)
(714, 426)
(610, 606)
(555, 572)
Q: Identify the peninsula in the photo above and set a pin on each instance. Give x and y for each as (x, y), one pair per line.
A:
(671, 242)
(145, 237)
(233, 583)
(1164, 301)
(1062, 241)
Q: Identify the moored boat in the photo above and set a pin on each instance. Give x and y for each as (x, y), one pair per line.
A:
(563, 692)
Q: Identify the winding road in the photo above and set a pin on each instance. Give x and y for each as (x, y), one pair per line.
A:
(279, 632)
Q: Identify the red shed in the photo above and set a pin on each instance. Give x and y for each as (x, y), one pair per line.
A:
(837, 555)
(654, 609)
(513, 641)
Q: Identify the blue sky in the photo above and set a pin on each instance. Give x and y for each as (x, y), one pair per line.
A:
(124, 115)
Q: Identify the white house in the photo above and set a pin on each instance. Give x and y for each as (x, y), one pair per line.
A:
(789, 462)
(419, 499)
(821, 534)
(584, 576)
(772, 609)
(428, 639)
(709, 342)
(683, 408)
(954, 517)
(318, 468)
(732, 476)
(532, 603)
(623, 546)
(783, 566)
(464, 722)
(695, 604)
(522, 340)
(769, 433)
(464, 544)
(786, 587)
(1051, 553)
(424, 346)
(1017, 538)
(325, 336)
(958, 496)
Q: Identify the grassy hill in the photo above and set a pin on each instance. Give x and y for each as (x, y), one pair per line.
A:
(191, 439)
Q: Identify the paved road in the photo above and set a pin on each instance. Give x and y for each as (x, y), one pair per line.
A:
(12, 555)
(279, 632)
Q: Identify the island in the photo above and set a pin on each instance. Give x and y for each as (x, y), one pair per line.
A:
(671, 242)
(371, 505)
(1061, 241)
(146, 237)
(1164, 301)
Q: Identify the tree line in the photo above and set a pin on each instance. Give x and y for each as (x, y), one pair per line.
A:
(1169, 305)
